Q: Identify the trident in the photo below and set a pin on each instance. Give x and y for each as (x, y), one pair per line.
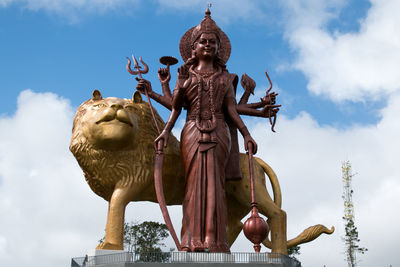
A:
(158, 161)
(139, 73)
(137, 67)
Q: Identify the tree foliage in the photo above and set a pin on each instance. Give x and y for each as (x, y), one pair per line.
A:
(351, 241)
(293, 251)
(144, 237)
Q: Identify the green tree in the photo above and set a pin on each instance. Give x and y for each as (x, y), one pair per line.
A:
(351, 241)
(293, 251)
(145, 238)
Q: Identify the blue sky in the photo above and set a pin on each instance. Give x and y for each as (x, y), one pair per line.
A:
(334, 64)
(80, 50)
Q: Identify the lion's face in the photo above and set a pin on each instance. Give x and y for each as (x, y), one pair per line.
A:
(108, 124)
(111, 125)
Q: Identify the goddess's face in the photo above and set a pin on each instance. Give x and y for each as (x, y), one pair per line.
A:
(206, 46)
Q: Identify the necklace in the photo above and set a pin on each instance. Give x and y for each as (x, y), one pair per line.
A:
(210, 91)
(205, 74)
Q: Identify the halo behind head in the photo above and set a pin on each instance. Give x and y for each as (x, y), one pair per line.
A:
(207, 25)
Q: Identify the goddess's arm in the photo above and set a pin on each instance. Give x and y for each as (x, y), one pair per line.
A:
(176, 108)
(162, 99)
(248, 85)
(252, 109)
(267, 103)
(164, 76)
(176, 105)
(231, 109)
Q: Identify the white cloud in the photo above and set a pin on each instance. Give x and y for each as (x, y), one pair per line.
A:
(73, 9)
(225, 10)
(307, 158)
(354, 66)
(47, 207)
(52, 214)
(4, 3)
(49, 212)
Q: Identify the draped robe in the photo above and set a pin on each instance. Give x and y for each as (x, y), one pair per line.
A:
(205, 157)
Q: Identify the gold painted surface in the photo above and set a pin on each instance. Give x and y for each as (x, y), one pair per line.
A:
(112, 140)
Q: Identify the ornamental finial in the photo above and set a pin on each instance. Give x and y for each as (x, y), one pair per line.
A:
(208, 12)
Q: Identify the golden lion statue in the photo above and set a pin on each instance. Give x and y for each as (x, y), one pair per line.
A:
(112, 140)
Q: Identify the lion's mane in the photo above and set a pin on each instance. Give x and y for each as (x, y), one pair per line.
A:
(106, 169)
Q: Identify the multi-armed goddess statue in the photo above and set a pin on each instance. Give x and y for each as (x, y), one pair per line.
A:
(112, 140)
(209, 143)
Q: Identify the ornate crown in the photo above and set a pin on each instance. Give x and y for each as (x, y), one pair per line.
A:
(207, 25)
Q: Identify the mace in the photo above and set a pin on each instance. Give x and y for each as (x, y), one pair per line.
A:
(255, 228)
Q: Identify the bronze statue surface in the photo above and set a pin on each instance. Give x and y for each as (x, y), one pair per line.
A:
(125, 157)
(209, 138)
(112, 140)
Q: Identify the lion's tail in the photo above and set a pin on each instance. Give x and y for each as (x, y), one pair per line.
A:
(276, 189)
(308, 234)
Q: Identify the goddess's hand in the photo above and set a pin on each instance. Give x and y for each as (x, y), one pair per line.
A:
(269, 98)
(143, 86)
(161, 141)
(249, 143)
(164, 75)
(248, 83)
(183, 77)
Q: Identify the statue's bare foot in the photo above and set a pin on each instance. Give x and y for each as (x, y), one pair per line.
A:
(107, 245)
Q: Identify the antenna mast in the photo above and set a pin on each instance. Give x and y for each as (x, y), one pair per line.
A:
(350, 239)
(347, 191)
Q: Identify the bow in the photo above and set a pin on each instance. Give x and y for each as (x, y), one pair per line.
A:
(272, 108)
(158, 163)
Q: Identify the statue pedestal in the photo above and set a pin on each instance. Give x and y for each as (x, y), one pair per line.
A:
(119, 258)
(193, 257)
(97, 257)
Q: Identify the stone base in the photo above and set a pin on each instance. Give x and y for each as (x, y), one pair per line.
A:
(193, 257)
(106, 256)
(157, 264)
(113, 258)
(101, 252)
